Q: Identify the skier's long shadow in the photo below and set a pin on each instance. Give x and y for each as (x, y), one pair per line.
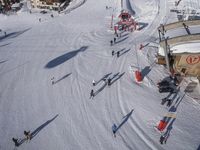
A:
(65, 76)
(142, 25)
(14, 34)
(145, 71)
(5, 44)
(36, 131)
(63, 58)
(1, 62)
(124, 35)
(104, 77)
(119, 76)
(99, 90)
(124, 52)
(121, 40)
(125, 119)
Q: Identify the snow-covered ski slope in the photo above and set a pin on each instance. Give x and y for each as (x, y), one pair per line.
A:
(74, 48)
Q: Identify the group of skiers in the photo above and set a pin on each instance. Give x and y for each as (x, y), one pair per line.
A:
(168, 100)
(113, 41)
(27, 135)
(165, 136)
(115, 38)
(107, 82)
(113, 53)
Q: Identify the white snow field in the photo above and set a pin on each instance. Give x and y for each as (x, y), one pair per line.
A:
(74, 48)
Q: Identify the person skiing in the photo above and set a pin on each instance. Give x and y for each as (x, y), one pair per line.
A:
(113, 52)
(114, 129)
(27, 135)
(169, 102)
(93, 83)
(114, 40)
(111, 42)
(109, 81)
(162, 138)
(118, 53)
(92, 93)
(52, 80)
(15, 141)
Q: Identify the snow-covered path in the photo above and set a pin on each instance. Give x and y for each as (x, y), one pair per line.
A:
(75, 49)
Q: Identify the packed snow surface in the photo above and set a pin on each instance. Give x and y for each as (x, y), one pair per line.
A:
(193, 47)
(72, 49)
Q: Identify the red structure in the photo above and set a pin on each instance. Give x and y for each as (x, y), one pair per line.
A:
(126, 22)
(138, 76)
(162, 125)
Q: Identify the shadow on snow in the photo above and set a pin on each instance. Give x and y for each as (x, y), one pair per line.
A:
(63, 58)
(13, 34)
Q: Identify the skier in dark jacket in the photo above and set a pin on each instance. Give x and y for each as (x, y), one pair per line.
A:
(162, 138)
(114, 40)
(109, 81)
(118, 53)
(111, 42)
(169, 102)
(92, 93)
(113, 52)
(27, 135)
(114, 129)
(15, 141)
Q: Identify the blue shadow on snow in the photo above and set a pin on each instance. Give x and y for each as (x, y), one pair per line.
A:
(63, 58)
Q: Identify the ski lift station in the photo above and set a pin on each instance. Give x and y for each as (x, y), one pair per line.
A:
(126, 22)
(179, 47)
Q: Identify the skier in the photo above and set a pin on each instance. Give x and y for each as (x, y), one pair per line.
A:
(93, 83)
(27, 135)
(114, 129)
(114, 40)
(109, 81)
(5, 33)
(113, 52)
(52, 81)
(167, 134)
(92, 94)
(162, 138)
(52, 16)
(118, 53)
(111, 42)
(169, 102)
(15, 141)
(39, 19)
